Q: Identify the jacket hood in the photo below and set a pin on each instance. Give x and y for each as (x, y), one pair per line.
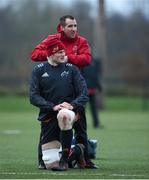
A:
(59, 29)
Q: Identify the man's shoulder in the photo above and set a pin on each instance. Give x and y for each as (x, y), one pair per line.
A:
(39, 66)
(71, 66)
(51, 36)
(82, 38)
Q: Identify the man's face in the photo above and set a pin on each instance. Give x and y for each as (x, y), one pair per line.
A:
(70, 28)
(59, 57)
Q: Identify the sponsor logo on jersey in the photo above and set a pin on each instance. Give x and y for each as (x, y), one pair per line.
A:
(45, 74)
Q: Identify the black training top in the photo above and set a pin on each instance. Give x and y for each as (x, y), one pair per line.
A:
(51, 85)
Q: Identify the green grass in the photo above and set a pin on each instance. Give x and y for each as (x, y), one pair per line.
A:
(128, 103)
(122, 152)
(117, 103)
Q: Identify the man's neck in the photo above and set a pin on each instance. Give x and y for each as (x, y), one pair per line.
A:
(50, 61)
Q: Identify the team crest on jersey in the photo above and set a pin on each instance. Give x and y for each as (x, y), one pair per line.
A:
(64, 73)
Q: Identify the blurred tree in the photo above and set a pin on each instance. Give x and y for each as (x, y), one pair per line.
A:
(127, 37)
(103, 38)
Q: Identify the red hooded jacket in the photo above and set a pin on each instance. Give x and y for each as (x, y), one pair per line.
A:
(77, 49)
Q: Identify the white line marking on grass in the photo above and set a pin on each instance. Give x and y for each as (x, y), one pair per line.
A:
(48, 172)
(131, 175)
(11, 131)
(72, 174)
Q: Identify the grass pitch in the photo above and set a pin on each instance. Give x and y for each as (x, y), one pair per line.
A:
(122, 150)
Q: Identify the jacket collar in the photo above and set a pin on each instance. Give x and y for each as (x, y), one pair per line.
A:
(63, 37)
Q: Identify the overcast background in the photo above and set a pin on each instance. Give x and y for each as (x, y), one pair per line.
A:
(25, 23)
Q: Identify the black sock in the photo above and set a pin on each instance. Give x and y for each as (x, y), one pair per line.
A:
(66, 138)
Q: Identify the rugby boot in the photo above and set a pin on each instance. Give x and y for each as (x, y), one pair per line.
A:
(76, 156)
(80, 157)
(90, 165)
(63, 166)
(42, 166)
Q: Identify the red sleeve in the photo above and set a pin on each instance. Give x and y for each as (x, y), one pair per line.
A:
(40, 51)
(83, 56)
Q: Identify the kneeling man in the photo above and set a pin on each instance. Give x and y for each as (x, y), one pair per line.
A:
(60, 91)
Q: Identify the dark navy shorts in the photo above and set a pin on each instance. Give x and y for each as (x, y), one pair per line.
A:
(50, 130)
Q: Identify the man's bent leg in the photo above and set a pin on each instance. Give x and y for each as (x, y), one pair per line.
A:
(50, 153)
(41, 164)
(50, 134)
(65, 120)
(81, 137)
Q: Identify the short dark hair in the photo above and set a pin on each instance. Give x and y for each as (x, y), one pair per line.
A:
(63, 19)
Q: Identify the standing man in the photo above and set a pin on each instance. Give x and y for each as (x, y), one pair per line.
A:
(60, 91)
(77, 53)
(92, 75)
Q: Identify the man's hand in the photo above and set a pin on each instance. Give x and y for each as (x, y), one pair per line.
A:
(62, 106)
(66, 105)
(57, 107)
